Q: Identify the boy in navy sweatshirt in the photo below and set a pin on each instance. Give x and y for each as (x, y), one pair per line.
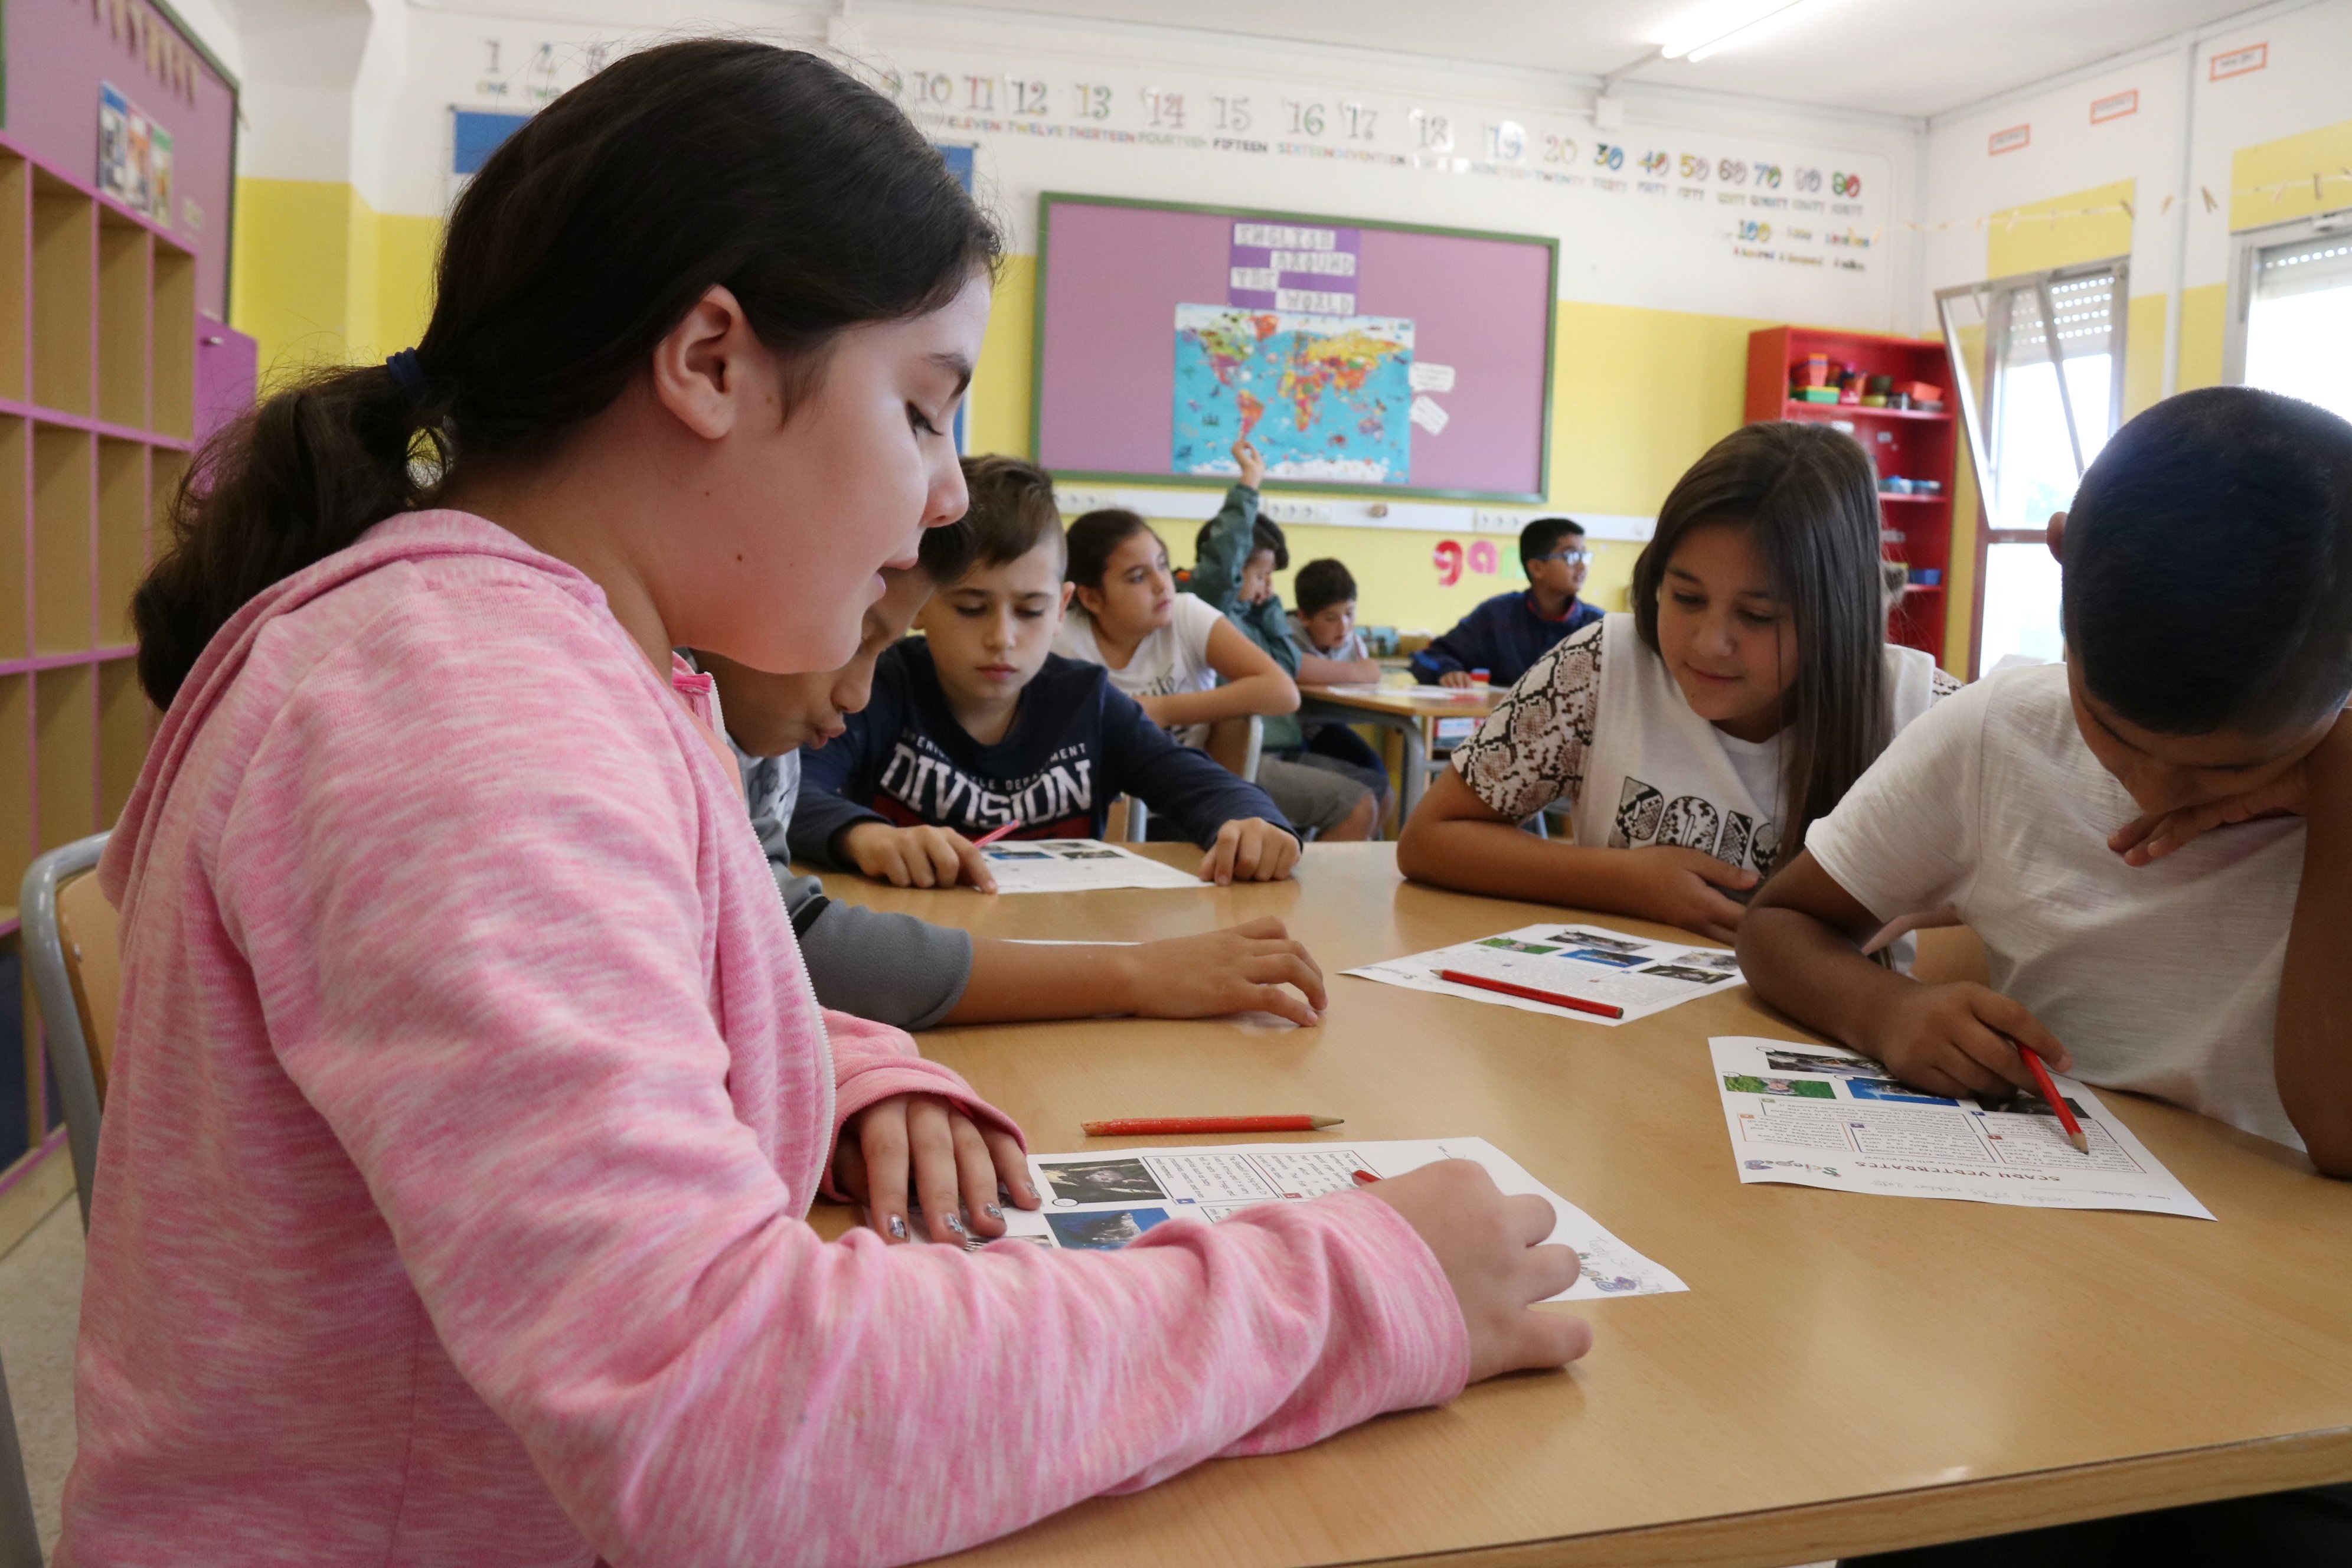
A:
(980, 724)
(1510, 631)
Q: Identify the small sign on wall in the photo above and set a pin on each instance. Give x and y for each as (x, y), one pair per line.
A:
(2239, 62)
(2008, 141)
(2114, 107)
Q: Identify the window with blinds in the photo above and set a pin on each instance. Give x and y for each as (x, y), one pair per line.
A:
(2298, 316)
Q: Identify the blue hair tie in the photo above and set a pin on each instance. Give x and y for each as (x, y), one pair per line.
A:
(407, 372)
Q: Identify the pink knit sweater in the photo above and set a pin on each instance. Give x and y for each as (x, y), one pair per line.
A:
(469, 1100)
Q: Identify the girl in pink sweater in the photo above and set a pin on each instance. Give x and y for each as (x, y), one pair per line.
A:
(469, 1095)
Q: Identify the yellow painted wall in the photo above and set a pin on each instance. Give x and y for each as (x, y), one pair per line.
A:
(2313, 170)
(2080, 226)
(322, 278)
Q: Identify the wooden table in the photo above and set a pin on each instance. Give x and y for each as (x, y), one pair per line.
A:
(1415, 718)
(1846, 1373)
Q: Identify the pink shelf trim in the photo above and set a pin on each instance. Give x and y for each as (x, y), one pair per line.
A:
(114, 209)
(40, 415)
(67, 660)
(30, 1161)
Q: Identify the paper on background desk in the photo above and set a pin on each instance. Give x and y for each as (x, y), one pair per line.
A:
(1076, 866)
(1102, 1201)
(1819, 1117)
(1434, 693)
(1574, 960)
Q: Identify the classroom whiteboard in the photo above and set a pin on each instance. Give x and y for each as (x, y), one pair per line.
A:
(1357, 355)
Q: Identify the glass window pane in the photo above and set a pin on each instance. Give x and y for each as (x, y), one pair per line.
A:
(2301, 344)
(2034, 465)
(2020, 603)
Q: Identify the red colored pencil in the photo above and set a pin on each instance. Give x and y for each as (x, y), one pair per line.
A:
(2075, 1133)
(992, 834)
(1155, 1126)
(1460, 978)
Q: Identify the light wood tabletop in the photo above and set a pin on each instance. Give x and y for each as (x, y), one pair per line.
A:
(1471, 703)
(1846, 1373)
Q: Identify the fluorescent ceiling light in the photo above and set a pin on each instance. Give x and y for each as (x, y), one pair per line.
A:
(1717, 27)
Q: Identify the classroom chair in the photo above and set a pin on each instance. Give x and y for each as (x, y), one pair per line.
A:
(77, 970)
(20, 1538)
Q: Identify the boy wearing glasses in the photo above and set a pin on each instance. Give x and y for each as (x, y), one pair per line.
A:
(1510, 631)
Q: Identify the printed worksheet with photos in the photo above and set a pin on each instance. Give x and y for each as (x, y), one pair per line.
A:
(1569, 959)
(1820, 1117)
(1076, 866)
(1100, 1202)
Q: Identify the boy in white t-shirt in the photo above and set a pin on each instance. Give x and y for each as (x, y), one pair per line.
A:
(2153, 840)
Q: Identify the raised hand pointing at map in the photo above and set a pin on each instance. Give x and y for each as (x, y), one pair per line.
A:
(1253, 465)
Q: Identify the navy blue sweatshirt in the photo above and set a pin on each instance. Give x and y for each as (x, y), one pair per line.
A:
(1075, 745)
(1501, 636)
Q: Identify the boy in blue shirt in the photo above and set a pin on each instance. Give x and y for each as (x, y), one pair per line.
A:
(978, 724)
(1509, 632)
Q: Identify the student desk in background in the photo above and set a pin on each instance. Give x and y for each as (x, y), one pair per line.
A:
(1846, 1373)
(1426, 722)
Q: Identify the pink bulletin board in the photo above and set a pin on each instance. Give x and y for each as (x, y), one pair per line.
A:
(1113, 273)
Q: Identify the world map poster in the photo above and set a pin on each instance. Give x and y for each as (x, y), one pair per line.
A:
(1323, 397)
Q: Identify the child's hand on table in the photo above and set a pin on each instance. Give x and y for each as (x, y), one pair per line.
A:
(1242, 969)
(1249, 849)
(953, 1165)
(1961, 1039)
(1679, 887)
(2152, 839)
(917, 857)
(1457, 678)
(1486, 1243)
(1253, 465)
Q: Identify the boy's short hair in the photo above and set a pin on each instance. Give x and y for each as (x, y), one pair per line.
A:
(1012, 512)
(1542, 536)
(1320, 584)
(2207, 564)
(1264, 534)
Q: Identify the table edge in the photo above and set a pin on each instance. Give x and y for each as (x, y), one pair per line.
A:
(1923, 1516)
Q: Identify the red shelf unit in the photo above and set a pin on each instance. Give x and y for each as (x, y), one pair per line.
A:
(1905, 443)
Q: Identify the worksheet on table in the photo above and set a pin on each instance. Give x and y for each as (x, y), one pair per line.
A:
(1426, 693)
(1100, 1202)
(1076, 866)
(1591, 963)
(1817, 1116)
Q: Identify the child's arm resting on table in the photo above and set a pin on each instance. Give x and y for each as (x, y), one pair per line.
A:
(1800, 948)
(1246, 837)
(1242, 969)
(1315, 669)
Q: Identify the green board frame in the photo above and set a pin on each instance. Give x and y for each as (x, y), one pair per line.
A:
(1045, 203)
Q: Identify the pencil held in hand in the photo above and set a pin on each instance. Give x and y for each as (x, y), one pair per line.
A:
(1156, 1126)
(993, 834)
(2075, 1133)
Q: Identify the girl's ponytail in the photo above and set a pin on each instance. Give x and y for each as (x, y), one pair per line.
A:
(296, 478)
(579, 244)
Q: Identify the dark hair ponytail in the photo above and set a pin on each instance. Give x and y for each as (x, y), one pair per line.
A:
(586, 237)
(1809, 500)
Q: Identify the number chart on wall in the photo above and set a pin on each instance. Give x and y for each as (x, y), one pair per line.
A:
(1350, 353)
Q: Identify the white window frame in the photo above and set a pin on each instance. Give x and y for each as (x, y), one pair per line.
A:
(2246, 251)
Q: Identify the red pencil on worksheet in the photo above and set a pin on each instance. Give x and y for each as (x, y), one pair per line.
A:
(992, 834)
(1462, 977)
(1157, 1126)
(2075, 1133)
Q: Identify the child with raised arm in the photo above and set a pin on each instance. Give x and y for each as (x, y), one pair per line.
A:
(1509, 632)
(1235, 560)
(896, 969)
(469, 1097)
(2153, 839)
(1696, 739)
(979, 725)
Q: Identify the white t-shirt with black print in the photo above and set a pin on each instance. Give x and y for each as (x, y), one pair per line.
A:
(1599, 722)
(1173, 660)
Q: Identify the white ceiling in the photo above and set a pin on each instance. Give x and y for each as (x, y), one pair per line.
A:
(1913, 57)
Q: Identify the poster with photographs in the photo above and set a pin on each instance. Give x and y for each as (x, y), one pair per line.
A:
(1817, 1116)
(1591, 963)
(135, 157)
(1100, 1202)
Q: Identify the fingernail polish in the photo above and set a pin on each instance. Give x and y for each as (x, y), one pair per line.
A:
(993, 1211)
(953, 1224)
(898, 1227)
